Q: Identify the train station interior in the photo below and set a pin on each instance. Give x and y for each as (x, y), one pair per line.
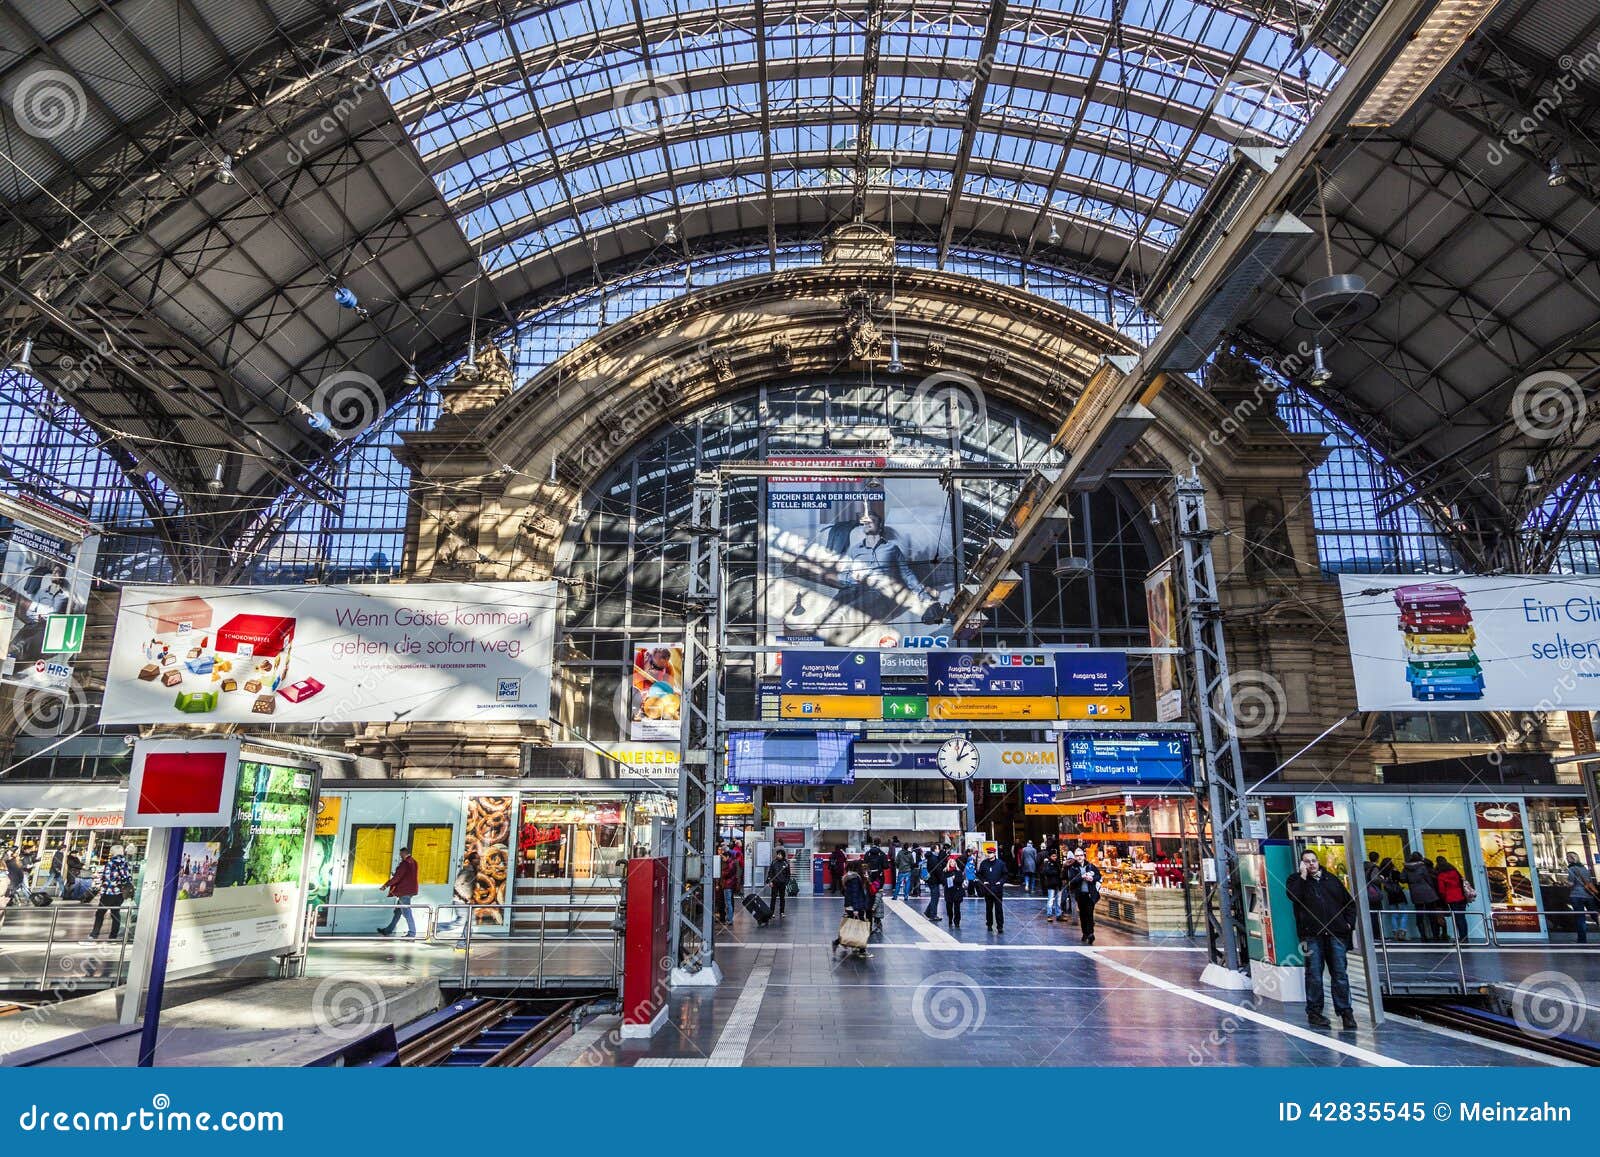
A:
(635, 533)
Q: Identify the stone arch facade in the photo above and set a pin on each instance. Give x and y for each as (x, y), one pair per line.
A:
(502, 476)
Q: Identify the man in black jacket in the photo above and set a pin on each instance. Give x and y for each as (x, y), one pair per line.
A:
(1325, 911)
(935, 865)
(992, 882)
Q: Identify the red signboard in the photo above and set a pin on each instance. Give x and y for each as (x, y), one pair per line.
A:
(178, 783)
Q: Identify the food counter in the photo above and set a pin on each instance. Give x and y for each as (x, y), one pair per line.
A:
(1132, 898)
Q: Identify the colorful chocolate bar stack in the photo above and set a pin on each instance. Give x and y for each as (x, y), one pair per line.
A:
(1438, 636)
(195, 702)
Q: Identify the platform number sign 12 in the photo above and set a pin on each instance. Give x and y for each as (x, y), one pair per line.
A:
(63, 634)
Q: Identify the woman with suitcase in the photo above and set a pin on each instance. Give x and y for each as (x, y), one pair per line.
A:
(857, 906)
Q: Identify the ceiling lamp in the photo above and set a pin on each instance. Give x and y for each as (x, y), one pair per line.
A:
(895, 365)
(24, 362)
(1558, 174)
(671, 235)
(1003, 587)
(1320, 374)
(1449, 26)
(1055, 235)
(412, 378)
(224, 170)
(1338, 300)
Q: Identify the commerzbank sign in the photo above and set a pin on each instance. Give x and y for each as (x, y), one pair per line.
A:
(1017, 761)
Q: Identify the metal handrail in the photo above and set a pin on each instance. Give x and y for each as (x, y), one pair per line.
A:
(127, 914)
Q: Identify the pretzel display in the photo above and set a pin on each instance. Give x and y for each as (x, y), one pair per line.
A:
(489, 829)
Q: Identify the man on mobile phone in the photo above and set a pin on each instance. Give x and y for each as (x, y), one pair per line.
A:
(1325, 911)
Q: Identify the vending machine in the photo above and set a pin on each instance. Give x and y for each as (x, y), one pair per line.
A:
(1276, 966)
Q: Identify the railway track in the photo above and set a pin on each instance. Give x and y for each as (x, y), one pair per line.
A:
(1479, 1022)
(486, 1034)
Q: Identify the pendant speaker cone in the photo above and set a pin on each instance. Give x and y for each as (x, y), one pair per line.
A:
(1336, 302)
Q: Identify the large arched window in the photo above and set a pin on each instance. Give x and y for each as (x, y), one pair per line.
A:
(626, 561)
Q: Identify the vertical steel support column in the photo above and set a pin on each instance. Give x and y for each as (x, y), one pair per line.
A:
(695, 829)
(1212, 699)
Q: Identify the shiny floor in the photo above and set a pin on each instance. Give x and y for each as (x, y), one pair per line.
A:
(932, 995)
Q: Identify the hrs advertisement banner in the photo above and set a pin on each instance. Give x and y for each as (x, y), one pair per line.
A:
(1474, 643)
(856, 561)
(413, 651)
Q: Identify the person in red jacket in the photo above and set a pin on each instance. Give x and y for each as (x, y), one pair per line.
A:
(1453, 891)
(402, 885)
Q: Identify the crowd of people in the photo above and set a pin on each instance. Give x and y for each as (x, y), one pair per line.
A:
(1423, 900)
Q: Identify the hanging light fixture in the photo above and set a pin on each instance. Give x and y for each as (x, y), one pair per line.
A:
(24, 362)
(1320, 374)
(412, 378)
(224, 170)
(671, 235)
(1055, 234)
(1558, 174)
(895, 365)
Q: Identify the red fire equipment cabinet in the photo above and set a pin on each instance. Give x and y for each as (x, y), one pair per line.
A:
(646, 966)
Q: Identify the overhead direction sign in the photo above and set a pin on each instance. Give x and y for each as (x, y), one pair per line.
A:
(980, 707)
(1092, 673)
(809, 672)
(1094, 707)
(63, 634)
(830, 706)
(997, 673)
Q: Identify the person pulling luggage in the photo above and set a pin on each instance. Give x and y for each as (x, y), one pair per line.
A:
(778, 877)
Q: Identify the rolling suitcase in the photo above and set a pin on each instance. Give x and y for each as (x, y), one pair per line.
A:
(757, 907)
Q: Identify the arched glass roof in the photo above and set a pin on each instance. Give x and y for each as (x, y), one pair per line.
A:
(1086, 121)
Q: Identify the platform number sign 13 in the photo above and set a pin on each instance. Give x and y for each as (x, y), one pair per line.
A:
(958, 759)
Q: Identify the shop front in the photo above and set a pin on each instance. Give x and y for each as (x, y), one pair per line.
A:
(1512, 846)
(540, 847)
(83, 835)
(1147, 847)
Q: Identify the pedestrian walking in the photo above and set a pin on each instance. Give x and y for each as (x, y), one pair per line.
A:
(1582, 894)
(1455, 892)
(917, 865)
(1424, 889)
(1083, 881)
(969, 873)
(732, 882)
(115, 880)
(1030, 867)
(857, 901)
(905, 871)
(402, 886)
(837, 862)
(952, 877)
(466, 882)
(933, 872)
(1325, 913)
(875, 861)
(779, 874)
(991, 884)
(1050, 877)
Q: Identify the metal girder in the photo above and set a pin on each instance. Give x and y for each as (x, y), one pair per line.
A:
(872, 37)
(1114, 387)
(1212, 701)
(969, 125)
(695, 827)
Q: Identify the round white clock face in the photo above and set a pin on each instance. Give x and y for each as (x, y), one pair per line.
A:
(958, 759)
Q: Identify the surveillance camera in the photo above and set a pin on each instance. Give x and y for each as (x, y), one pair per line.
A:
(129, 740)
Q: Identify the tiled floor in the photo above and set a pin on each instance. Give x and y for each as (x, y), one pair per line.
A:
(932, 995)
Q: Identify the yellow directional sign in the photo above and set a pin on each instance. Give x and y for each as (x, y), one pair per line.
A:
(991, 707)
(1109, 707)
(830, 706)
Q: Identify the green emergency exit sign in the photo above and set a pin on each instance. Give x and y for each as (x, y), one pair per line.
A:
(905, 706)
(63, 634)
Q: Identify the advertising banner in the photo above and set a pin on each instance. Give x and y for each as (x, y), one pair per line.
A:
(49, 557)
(242, 888)
(1161, 609)
(655, 693)
(371, 653)
(1504, 847)
(1474, 642)
(856, 562)
(1011, 761)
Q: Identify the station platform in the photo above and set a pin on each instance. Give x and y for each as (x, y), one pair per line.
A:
(933, 995)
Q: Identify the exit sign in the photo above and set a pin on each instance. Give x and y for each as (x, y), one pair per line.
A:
(63, 634)
(905, 706)
(998, 787)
